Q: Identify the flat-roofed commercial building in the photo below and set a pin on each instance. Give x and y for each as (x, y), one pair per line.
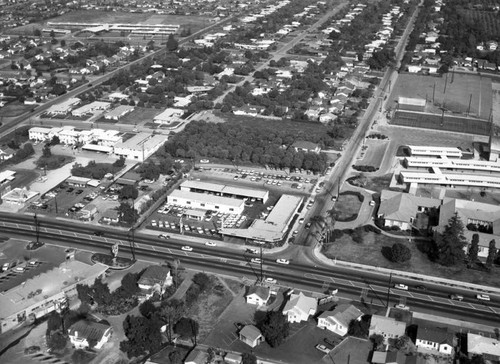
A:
(45, 293)
(64, 107)
(118, 112)
(274, 227)
(412, 104)
(450, 180)
(91, 108)
(425, 151)
(225, 190)
(452, 164)
(140, 147)
(203, 201)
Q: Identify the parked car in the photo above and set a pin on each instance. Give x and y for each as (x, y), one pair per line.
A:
(301, 220)
(402, 307)
(270, 280)
(456, 297)
(252, 251)
(187, 248)
(163, 236)
(283, 261)
(404, 287)
(483, 297)
(322, 348)
(256, 260)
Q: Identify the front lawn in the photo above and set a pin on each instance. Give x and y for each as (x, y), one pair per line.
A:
(369, 252)
(347, 206)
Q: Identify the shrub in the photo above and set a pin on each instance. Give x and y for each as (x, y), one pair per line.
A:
(336, 234)
(400, 253)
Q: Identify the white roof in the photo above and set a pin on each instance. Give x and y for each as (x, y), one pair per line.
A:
(219, 188)
(411, 101)
(51, 283)
(119, 111)
(211, 199)
(98, 148)
(38, 129)
(169, 113)
(477, 344)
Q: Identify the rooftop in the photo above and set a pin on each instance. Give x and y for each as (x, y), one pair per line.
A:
(203, 197)
(226, 189)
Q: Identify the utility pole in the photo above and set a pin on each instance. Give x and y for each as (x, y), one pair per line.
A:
(261, 262)
(132, 242)
(389, 289)
(37, 228)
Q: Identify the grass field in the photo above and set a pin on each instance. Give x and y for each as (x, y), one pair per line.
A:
(14, 109)
(374, 154)
(370, 253)
(347, 206)
(139, 115)
(459, 88)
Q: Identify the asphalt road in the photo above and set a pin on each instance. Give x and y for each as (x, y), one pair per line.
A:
(351, 283)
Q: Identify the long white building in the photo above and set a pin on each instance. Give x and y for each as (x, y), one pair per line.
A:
(225, 190)
(425, 151)
(203, 201)
(140, 147)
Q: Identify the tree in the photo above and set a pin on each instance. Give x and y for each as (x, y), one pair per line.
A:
(451, 242)
(37, 32)
(492, 253)
(360, 328)
(128, 191)
(175, 357)
(46, 153)
(120, 162)
(400, 253)
(57, 341)
(248, 358)
(147, 309)
(54, 322)
(202, 280)
(170, 312)
(377, 340)
(63, 43)
(127, 213)
(55, 140)
(187, 328)
(144, 336)
(172, 44)
(275, 328)
(129, 284)
(474, 249)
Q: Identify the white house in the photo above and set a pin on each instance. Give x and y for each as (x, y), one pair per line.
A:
(388, 327)
(434, 340)
(84, 334)
(258, 295)
(300, 307)
(251, 336)
(155, 278)
(339, 319)
(39, 134)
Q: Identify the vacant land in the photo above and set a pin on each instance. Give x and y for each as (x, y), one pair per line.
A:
(14, 109)
(139, 115)
(459, 88)
(370, 253)
(374, 154)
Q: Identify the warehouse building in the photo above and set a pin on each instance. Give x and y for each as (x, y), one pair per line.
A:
(45, 293)
(203, 201)
(425, 151)
(140, 147)
(275, 226)
(411, 104)
(225, 190)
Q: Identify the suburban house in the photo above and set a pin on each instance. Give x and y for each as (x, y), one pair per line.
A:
(251, 336)
(88, 334)
(300, 307)
(155, 278)
(232, 358)
(488, 347)
(196, 356)
(437, 340)
(339, 319)
(479, 218)
(405, 210)
(110, 216)
(305, 146)
(258, 295)
(6, 153)
(388, 327)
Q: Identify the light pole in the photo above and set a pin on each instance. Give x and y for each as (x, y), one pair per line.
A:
(37, 228)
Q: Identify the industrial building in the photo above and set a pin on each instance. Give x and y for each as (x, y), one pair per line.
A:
(225, 190)
(203, 201)
(411, 104)
(140, 147)
(45, 293)
(274, 227)
(425, 151)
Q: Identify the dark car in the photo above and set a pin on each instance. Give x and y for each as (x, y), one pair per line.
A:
(71, 189)
(98, 233)
(79, 192)
(421, 287)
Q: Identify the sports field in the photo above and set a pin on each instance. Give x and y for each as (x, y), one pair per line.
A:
(452, 91)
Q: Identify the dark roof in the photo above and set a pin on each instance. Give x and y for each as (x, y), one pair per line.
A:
(262, 292)
(88, 329)
(435, 335)
(154, 274)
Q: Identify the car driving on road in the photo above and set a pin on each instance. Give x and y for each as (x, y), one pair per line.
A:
(187, 248)
(283, 261)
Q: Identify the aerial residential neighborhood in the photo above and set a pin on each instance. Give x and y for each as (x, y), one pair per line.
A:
(275, 181)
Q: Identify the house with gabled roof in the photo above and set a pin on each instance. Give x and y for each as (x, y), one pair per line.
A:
(258, 295)
(300, 307)
(305, 146)
(88, 334)
(251, 336)
(156, 278)
(400, 209)
(488, 347)
(435, 339)
(338, 320)
(388, 327)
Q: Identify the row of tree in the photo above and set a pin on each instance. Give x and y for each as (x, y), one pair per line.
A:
(241, 143)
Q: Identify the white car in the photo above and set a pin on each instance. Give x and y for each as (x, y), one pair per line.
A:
(270, 280)
(283, 261)
(163, 236)
(204, 161)
(187, 248)
(256, 260)
(404, 287)
(483, 297)
(402, 307)
(209, 243)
